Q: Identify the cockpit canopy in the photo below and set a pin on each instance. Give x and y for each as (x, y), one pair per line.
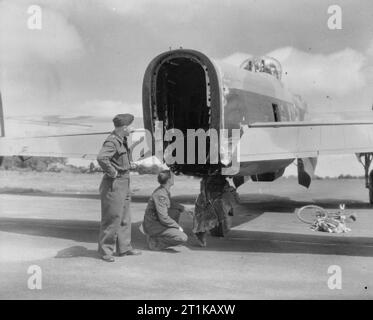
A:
(263, 64)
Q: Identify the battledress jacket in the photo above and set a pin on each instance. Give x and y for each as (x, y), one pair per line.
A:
(156, 218)
(114, 156)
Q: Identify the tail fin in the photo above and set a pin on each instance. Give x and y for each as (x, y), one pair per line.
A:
(2, 126)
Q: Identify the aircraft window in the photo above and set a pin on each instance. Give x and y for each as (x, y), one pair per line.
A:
(248, 65)
(268, 65)
(263, 64)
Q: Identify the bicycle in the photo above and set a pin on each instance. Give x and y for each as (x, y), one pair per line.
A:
(311, 213)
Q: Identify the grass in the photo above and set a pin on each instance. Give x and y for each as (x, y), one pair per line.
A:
(31, 181)
(143, 185)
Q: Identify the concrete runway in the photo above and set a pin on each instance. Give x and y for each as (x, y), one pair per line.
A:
(268, 254)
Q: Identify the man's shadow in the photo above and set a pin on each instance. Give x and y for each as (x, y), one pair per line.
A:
(77, 251)
(137, 237)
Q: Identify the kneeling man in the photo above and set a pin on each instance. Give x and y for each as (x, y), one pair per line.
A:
(162, 216)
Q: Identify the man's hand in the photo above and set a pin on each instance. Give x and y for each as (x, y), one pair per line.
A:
(181, 229)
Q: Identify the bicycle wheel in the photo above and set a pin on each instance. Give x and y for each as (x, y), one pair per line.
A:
(310, 213)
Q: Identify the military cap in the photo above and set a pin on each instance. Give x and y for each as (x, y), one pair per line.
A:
(123, 119)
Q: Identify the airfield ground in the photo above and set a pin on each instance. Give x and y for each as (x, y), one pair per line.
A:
(51, 220)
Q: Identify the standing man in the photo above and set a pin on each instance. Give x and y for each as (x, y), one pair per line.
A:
(114, 159)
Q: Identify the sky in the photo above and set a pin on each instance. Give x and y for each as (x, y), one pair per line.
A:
(90, 56)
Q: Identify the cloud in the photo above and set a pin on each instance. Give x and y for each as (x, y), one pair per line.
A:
(57, 41)
(90, 116)
(236, 58)
(338, 73)
(99, 110)
(31, 60)
(370, 49)
(334, 82)
(140, 6)
(179, 11)
(103, 108)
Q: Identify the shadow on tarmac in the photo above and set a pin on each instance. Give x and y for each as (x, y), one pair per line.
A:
(137, 198)
(77, 251)
(235, 241)
(252, 206)
(259, 201)
(267, 202)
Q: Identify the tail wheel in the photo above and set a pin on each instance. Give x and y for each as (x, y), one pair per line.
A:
(308, 214)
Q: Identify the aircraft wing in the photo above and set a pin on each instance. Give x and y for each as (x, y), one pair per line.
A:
(288, 140)
(259, 141)
(63, 142)
(82, 145)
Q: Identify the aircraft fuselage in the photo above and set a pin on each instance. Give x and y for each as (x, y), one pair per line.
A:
(184, 89)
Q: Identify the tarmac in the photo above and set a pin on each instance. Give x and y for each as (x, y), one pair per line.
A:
(268, 254)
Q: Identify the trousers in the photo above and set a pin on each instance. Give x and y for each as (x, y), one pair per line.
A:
(115, 229)
(171, 236)
(168, 238)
